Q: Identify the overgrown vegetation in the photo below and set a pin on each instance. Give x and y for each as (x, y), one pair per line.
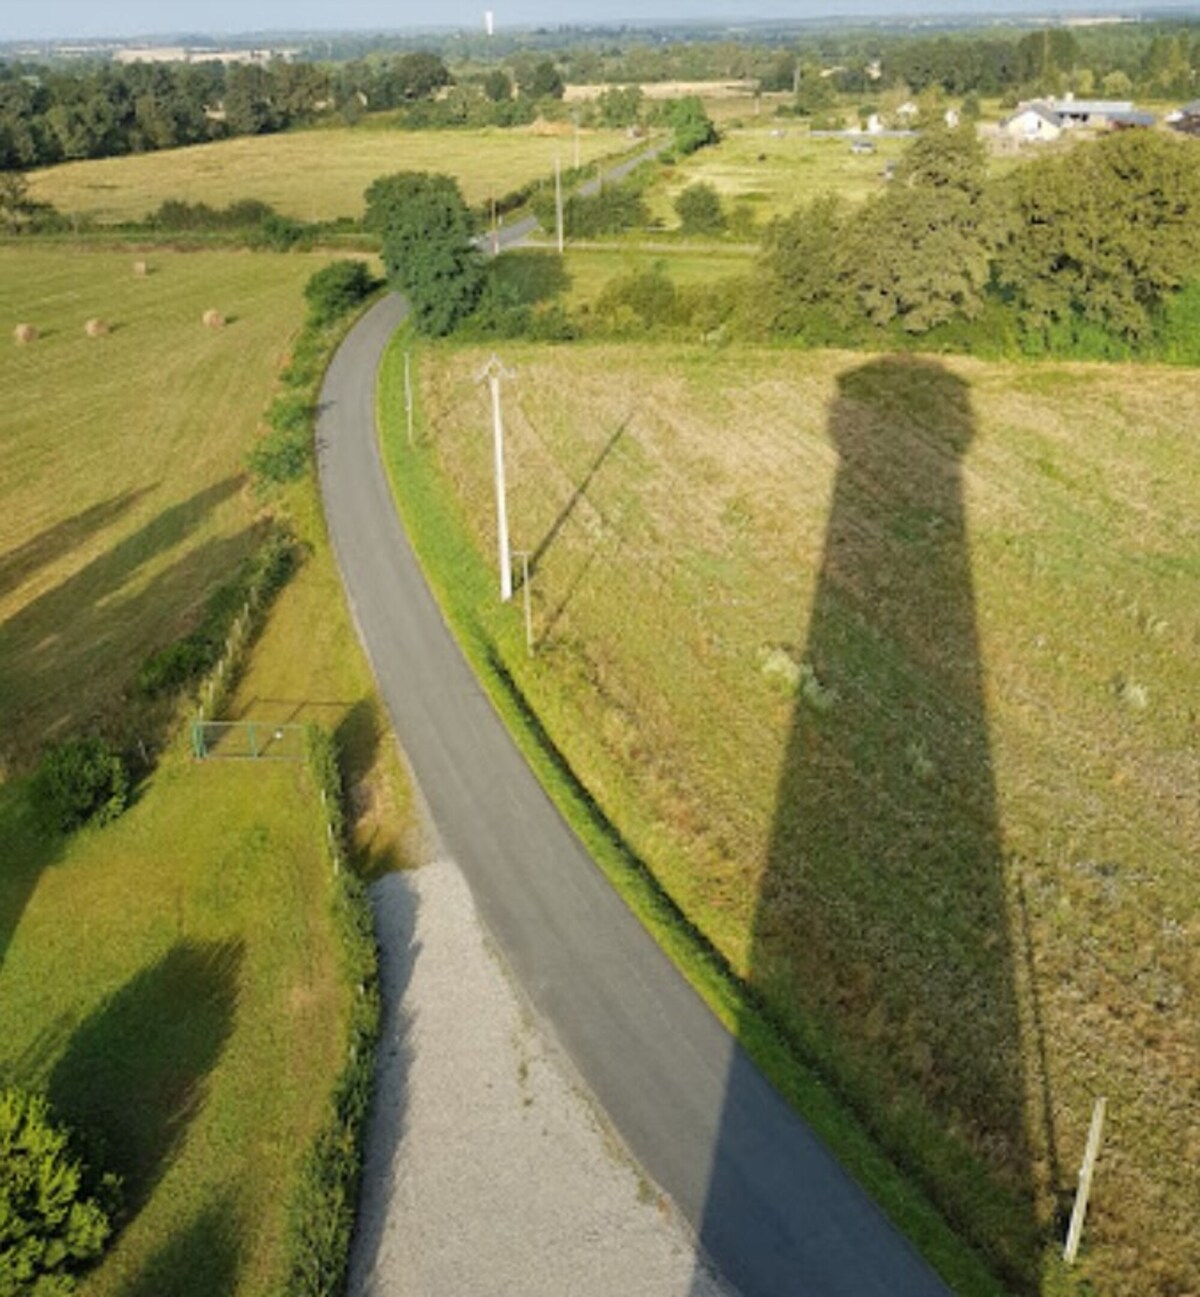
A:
(50, 1224)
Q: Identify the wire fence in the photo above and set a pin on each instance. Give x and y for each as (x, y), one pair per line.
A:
(247, 741)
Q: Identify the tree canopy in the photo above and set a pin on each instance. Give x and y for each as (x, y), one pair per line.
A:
(426, 232)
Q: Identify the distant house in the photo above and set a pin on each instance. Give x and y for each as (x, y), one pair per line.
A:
(1089, 112)
(874, 125)
(1033, 121)
(950, 117)
(907, 111)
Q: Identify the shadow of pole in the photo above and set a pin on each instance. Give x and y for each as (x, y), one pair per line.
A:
(881, 943)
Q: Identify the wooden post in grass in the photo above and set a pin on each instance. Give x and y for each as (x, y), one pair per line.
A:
(523, 555)
(1085, 1183)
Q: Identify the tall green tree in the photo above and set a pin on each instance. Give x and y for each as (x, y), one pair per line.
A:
(922, 252)
(426, 232)
(1106, 232)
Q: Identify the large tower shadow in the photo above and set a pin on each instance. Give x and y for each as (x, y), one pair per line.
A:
(881, 941)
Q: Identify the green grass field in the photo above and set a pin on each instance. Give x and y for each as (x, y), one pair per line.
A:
(589, 270)
(310, 175)
(774, 168)
(885, 666)
(123, 502)
(173, 980)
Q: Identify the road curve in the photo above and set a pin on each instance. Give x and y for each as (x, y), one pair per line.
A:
(772, 1208)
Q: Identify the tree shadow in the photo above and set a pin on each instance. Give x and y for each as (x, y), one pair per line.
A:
(132, 1078)
(395, 905)
(55, 649)
(28, 848)
(202, 1259)
(881, 944)
(19, 564)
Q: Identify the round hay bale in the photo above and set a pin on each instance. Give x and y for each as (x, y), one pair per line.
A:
(96, 328)
(141, 269)
(24, 333)
(213, 319)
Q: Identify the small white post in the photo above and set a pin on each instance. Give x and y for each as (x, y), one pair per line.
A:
(493, 372)
(1075, 1232)
(408, 398)
(576, 141)
(558, 201)
(495, 228)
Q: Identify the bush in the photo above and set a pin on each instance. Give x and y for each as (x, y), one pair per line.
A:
(611, 210)
(337, 289)
(79, 781)
(699, 210)
(49, 1228)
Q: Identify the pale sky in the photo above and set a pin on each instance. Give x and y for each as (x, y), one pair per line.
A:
(24, 19)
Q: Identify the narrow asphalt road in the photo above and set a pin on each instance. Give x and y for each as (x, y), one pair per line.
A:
(770, 1205)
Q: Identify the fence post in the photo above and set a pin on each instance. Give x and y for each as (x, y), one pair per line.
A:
(1075, 1233)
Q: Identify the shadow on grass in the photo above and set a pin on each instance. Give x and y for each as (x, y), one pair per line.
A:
(26, 848)
(133, 1076)
(19, 564)
(395, 905)
(55, 652)
(358, 736)
(577, 495)
(881, 942)
(202, 1259)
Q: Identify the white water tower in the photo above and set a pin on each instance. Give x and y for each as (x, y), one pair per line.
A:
(489, 22)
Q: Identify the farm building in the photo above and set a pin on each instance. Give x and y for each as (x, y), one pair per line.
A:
(1035, 121)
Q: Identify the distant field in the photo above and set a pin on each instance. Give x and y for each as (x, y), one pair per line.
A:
(311, 175)
(888, 668)
(774, 168)
(123, 501)
(590, 269)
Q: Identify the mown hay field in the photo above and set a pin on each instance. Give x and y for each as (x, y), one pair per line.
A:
(887, 666)
(311, 175)
(124, 501)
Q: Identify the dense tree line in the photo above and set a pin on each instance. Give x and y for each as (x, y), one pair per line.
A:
(49, 115)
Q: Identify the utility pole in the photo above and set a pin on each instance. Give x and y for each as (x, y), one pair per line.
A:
(1085, 1183)
(575, 118)
(495, 228)
(558, 201)
(493, 371)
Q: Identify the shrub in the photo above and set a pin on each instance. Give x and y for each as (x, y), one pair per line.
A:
(338, 288)
(611, 210)
(79, 781)
(699, 210)
(49, 1228)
